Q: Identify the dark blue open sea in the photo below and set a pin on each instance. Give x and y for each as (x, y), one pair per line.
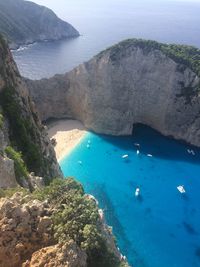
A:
(103, 23)
(161, 227)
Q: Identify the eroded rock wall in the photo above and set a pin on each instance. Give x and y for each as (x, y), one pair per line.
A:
(118, 89)
(15, 98)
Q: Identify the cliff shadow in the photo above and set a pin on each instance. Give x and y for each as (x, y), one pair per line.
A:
(150, 142)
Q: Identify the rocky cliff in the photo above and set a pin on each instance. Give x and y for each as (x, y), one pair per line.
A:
(24, 143)
(54, 225)
(133, 82)
(24, 22)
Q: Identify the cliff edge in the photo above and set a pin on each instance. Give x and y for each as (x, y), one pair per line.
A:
(135, 81)
(24, 143)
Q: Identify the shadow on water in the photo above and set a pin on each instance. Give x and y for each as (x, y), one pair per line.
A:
(152, 142)
(112, 219)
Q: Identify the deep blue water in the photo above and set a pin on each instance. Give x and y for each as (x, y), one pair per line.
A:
(161, 228)
(103, 23)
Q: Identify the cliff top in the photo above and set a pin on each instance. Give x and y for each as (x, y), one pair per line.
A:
(182, 54)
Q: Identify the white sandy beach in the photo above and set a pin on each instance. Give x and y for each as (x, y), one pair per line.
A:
(68, 133)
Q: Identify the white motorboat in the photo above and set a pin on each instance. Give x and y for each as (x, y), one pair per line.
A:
(138, 152)
(125, 156)
(181, 189)
(137, 191)
(149, 155)
(136, 144)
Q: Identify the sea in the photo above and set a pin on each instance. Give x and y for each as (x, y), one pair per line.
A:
(103, 23)
(161, 226)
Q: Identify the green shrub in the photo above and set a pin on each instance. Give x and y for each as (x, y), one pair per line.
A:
(76, 217)
(22, 133)
(182, 54)
(11, 191)
(1, 121)
(20, 167)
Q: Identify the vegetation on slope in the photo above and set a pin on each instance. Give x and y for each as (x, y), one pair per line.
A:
(22, 133)
(182, 54)
(1, 121)
(75, 217)
(21, 172)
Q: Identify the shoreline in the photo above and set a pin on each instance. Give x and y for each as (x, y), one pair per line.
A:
(67, 135)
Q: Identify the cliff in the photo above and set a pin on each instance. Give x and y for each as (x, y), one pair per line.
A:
(58, 226)
(54, 225)
(135, 81)
(24, 22)
(24, 143)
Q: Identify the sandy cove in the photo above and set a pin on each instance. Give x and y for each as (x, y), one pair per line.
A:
(67, 133)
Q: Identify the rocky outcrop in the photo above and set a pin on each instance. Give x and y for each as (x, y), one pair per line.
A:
(25, 228)
(21, 127)
(7, 173)
(67, 255)
(133, 82)
(26, 237)
(24, 22)
(32, 234)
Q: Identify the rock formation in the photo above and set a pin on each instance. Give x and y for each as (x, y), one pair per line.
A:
(29, 230)
(133, 82)
(20, 127)
(24, 22)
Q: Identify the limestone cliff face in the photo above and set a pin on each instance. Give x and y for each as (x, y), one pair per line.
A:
(20, 126)
(122, 86)
(24, 22)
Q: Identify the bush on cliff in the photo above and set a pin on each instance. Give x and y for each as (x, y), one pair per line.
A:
(1, 121)
(22, 134)
(21, 172)
(76, 217)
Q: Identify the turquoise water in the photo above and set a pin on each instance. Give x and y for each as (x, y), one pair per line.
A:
(161, 228)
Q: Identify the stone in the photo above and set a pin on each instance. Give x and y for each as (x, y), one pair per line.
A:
(7, 173)
(117, 89)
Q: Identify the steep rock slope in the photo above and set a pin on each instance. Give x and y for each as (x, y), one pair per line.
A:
(136, 81)
(21, 130)
(24, 22)
(57, 226)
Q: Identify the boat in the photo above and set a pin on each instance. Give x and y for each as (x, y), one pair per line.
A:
(88, 146)
(137, 191)
(80, 162)
(138, 152)
(89, 141)
(136, 144)
(149, 155)
(125, 156)
(192, 152)
(181, 189)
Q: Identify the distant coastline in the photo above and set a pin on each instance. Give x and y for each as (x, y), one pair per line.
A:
(24, 46)
(67, 135)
